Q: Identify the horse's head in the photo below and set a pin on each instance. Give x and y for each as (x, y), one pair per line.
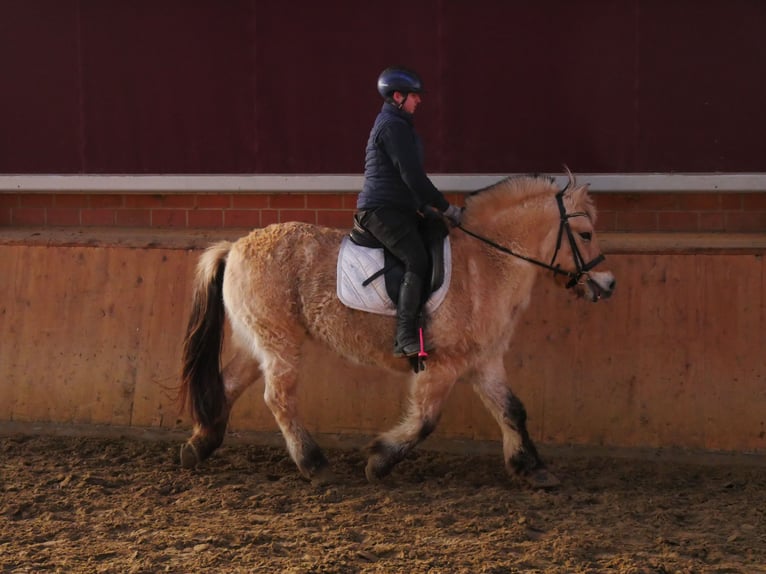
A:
(559, 237)
(577, 251)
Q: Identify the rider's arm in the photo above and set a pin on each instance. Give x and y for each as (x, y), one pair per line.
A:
(401, 147)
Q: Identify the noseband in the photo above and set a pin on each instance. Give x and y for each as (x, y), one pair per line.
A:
(581, 267)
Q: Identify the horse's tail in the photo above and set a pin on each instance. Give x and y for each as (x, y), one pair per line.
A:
(201, 382)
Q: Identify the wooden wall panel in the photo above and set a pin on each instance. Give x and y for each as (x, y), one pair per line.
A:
(93, 335)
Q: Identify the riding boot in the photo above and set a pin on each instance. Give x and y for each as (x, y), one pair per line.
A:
(407, 342)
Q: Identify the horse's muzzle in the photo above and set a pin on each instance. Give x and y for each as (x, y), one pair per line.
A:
(597, 285)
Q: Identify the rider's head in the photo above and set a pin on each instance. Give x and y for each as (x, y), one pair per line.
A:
(395, 85)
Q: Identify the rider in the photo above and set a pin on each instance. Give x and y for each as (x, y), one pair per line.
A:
(397, 193)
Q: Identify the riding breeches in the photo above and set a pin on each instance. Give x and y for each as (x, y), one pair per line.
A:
(398, 231)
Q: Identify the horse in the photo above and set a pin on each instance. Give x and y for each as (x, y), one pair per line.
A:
(277, 288)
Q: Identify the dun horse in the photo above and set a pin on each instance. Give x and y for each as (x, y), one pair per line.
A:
(277, 287)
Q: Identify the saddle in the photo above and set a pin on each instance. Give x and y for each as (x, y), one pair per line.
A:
(433, 231)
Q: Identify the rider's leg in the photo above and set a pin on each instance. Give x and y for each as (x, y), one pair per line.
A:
(407, 343)
(398, 231)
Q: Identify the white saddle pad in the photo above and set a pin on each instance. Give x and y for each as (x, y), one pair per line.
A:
(356, 264)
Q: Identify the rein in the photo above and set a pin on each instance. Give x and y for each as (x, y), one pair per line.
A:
(582, 268)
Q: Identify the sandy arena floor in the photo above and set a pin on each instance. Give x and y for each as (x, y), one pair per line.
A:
(78, 504)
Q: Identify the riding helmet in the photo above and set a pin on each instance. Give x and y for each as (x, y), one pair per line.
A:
(397, 79)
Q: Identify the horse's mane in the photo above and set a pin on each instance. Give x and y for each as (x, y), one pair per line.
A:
(512, 190)
(524, 190)
(512, 180)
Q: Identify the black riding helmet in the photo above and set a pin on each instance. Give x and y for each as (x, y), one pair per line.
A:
(397, 79)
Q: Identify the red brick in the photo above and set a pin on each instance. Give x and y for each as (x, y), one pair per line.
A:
(5, 215)
(71, 200)
(63, 216)
(754, 201)
(248, 218)
(133, 218)
(105, 200)
(324, 201)
(349, 200)
(731, 201)
(250, 201)
(636, 221)
(97, 217)
(342, 219)
(168, 217)
(638, 201)
(214, 200)
(612, 201)
(36, 199)
(678, 221)
(746, 221)
(714, 221)
(269, 216)
(606, 221)
(157, 201)
(303, 215)
(28, 216)
(9, 199)
(287, 201)
(656, 202)
(699, 201)
(205, 218)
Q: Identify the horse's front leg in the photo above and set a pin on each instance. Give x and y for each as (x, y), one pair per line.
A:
(428, 391)
(520, 454)
(238, 374)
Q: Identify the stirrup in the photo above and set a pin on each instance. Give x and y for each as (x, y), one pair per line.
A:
(417, 363)
(417, 358)
(407, 351)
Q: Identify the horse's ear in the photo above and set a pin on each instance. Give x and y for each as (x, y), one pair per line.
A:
(572, 180)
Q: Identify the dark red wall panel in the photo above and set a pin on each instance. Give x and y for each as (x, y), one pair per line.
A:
(701, 86)
(168, 86)
(528, 89)
(255, 86)
(40, 123)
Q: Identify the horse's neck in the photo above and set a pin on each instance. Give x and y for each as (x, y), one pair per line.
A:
(491, 265)
(525, 228)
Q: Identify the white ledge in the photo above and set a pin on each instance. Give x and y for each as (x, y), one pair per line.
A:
(324, 183)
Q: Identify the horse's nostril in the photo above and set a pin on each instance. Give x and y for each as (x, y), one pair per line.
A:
(612, 284)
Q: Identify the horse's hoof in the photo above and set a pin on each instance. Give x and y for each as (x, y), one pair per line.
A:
(541, 478)
(375, 471)
(323, 477)
(371, 474)
(189, 456)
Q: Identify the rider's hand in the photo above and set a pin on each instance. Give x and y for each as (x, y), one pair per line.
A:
(454, 214)
(430, 212)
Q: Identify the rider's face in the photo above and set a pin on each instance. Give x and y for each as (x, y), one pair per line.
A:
(411, 102)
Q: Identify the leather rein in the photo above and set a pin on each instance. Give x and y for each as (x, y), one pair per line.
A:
(581, 267)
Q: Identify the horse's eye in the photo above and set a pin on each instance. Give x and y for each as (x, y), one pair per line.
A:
(586, 236)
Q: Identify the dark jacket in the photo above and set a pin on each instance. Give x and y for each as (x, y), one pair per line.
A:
(393, 166)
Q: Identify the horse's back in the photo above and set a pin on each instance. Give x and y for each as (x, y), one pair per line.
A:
(281, 284)
(273, 269)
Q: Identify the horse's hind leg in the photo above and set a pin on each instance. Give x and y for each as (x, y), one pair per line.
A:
(238, 374)
(428, 392)
(280, 394)
(520, 454)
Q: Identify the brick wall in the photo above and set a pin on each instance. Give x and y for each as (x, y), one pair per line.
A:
(618, 212)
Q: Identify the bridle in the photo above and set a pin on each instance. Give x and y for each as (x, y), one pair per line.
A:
(581, 267)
